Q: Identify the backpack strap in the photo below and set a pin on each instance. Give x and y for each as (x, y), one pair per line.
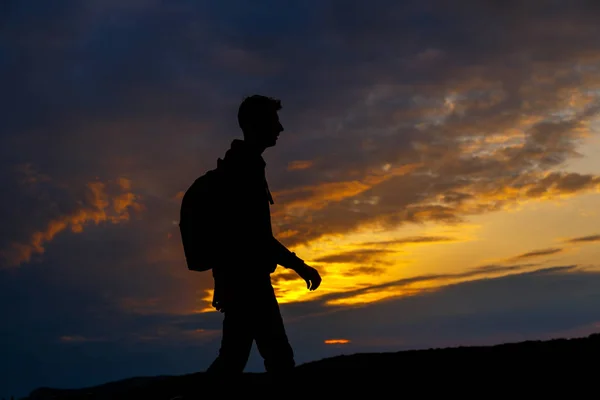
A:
(269, 193)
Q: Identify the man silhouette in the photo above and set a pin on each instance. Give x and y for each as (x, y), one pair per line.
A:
(243, 289)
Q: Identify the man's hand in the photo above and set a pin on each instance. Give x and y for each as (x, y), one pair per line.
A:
(310, 275)
(217, 302)
(218, 297)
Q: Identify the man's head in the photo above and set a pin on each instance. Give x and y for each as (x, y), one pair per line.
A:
(258, 119)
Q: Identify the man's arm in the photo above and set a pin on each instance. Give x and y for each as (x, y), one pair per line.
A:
(290, 260)
(284, 257)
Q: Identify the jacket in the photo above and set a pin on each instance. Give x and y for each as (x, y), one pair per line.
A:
(244, 209)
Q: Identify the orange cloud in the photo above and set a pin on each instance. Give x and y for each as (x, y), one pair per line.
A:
(179, 195)
(318, 196)
(414, 285)
(287, 234)
(30, 175)
(78, 339)
(98, 207)
(337, 341)
(299, 165)
(410, 199)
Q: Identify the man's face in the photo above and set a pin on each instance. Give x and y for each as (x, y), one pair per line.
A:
(271, 130)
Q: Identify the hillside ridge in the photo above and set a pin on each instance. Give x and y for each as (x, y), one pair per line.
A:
(568, 360)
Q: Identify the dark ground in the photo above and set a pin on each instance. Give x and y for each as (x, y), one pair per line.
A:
(561, 368)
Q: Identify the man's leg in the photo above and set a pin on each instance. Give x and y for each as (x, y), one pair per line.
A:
(271, 338)
(236, 344)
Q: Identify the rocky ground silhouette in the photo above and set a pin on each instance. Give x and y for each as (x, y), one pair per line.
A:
(559, 367)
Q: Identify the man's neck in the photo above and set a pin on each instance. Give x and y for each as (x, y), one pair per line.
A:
(255, 147)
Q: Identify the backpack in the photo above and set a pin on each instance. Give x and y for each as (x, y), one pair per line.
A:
(199, 221)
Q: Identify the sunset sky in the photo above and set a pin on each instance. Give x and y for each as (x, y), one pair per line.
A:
(440, 166)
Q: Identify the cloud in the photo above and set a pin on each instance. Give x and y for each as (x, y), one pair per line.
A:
(286, 275)
(415, 284)
(319, 196)
(100, 202)
(584, 239)
(395, 288)
(364, 270)
(374, 264)
(299, 165)
(503, 268)
(411, 240)
(354, 256)
(398, 123)
(336, 341)
(539, 253)
(79, 339)
(552, 302)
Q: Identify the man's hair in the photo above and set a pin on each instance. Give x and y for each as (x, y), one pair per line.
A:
(256, 109)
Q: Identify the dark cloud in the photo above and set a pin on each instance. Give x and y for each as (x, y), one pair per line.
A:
(409, 240)
(155, 107)
(539, 253)
(433, 278)
(47, 208)
(366, 270)
(354, 256)
(492, 268)
(584, 239)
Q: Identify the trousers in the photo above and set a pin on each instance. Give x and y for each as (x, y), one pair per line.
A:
(252, 314)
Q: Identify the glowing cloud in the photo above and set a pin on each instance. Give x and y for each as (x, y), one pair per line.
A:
(337, 341)
(299, 165)
(97, 207)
